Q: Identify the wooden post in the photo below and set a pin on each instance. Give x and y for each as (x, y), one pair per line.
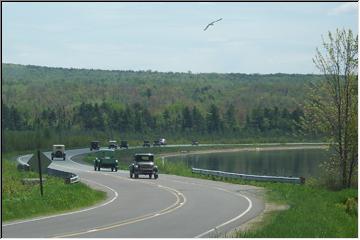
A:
(40, 174)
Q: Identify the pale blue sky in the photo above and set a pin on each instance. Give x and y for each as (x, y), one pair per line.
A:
(251, 38)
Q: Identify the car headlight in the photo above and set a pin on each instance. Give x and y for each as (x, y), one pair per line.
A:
(136, 166)
(116, 161)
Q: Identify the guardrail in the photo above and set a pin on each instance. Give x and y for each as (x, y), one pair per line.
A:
(67, 176)
(298, 180)
(22, 165)
(73, 179)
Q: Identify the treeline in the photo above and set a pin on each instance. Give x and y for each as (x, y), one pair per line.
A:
(137, 118)
(74, 106)
(35, 88)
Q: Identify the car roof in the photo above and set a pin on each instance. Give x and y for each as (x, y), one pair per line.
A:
(144, 154)
(106, 150)
(59, 145)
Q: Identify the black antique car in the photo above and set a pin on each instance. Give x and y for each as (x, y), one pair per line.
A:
(143, 164)
(124, 144)
(94, 145)
(194, 143)
(146, 143)
(113, 144)
(156, 143)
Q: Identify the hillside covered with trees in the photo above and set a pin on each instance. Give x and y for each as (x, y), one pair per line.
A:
(57, 102)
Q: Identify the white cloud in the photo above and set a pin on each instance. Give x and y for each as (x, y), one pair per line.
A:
(344, 8)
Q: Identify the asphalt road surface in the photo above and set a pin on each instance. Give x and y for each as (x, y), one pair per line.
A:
(170, 207)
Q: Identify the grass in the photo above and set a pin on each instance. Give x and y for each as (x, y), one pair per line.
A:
(24, 201)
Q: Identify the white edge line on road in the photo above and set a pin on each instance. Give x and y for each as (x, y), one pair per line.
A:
(224, 190)
(231, 220)
(70, 213)
(161, 212)
(156, 214)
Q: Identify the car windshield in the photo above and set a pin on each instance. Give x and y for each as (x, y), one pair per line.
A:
(59, 147)
(144, 158)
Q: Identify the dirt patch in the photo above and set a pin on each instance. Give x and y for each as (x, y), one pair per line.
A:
(259, 220)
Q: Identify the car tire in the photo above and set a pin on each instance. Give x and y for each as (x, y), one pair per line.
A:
(150, 175)
(116, 169)
(95, 168)
(136, 175)
(156, 176)
(131, 175)
(112, 169)
(98, 168)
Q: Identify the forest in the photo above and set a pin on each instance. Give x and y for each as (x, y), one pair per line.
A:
(58, 104)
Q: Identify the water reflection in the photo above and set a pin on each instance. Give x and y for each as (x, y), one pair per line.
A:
(297, 162)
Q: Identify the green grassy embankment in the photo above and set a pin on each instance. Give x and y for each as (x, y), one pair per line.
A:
(24, 201)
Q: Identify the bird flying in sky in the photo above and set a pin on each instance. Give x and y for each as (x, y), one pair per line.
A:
(212, 24)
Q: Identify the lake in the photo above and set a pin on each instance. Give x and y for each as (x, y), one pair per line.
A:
(296, 163)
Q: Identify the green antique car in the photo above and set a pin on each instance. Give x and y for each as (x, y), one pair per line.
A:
(105, 159)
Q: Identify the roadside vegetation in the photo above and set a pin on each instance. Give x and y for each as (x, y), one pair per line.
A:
(24, 201)
(315, 211)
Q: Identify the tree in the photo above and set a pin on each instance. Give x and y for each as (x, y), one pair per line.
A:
(231, 118)
(213, 119)
(332, 106)
(187, 119)
(198, 120)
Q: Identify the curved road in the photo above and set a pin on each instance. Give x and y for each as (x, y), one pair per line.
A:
(170, 206)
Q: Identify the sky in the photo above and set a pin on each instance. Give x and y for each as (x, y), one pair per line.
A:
(251, 38)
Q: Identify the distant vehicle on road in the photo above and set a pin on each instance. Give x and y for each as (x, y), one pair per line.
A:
(113, 144)
(146, 143)
(156, 143)
(143, 164)
(105, 159)
(94, 145)
(162, 141)
(194, 143)
(58, 151)
(159, 142)
(124, 144)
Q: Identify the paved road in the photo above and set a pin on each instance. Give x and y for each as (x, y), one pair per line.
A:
(170, 206)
